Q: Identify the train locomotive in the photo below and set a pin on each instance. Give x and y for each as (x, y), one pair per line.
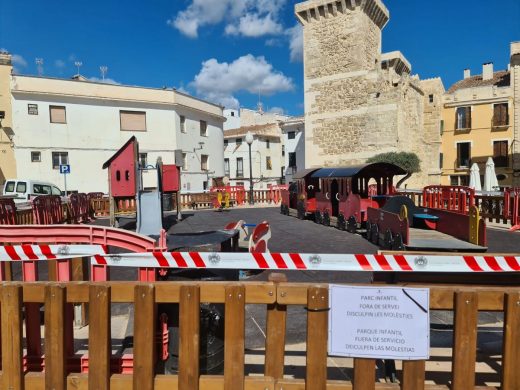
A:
(363, 197)
(340, 196)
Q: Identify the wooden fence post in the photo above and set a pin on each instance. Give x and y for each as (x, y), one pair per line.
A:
(465, 340)
(144, 336)
(275, 338)
(364, 374)
(235, 338)
(317, 336)
(99, 345)
(55, 357)
(189, 337)
(413, 375)
(511, 346)
(12, 357)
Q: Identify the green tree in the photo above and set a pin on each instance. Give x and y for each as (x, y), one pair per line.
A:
(408, 161)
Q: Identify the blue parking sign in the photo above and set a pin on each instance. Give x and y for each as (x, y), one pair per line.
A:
(64, 168)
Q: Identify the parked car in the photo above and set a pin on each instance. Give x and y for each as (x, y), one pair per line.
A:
(24, 190)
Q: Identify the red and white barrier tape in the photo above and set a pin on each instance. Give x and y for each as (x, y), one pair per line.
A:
(275, 261)
(48, 252)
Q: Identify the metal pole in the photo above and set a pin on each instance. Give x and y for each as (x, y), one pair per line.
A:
(65, 180)
(251, 201)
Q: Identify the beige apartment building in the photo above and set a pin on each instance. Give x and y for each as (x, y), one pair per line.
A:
(7, 159)
(480, 121)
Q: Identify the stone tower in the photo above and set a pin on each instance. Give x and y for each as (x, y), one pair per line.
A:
(358, 101)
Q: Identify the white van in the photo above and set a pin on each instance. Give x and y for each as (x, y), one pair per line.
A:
(24, 190)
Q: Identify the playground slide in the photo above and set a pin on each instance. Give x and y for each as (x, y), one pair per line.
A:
(149, 213)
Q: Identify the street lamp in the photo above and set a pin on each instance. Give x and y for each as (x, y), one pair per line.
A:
(249, 140)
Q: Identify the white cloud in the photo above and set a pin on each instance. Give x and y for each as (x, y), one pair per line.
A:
(295, 35)
(276, 110)
(250, 18)
(253, 25)
(218, 82)
(105, 81)
(18, 61)
(60, 64)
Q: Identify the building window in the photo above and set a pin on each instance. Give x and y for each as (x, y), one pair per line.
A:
(292, 159)
(232, 113)
(204, 162)
(59, 158)
(267, 144)
(291, 135)
(203, 129)
(268, 164)
(240, 167)
(226, 167)
(463, 154)
(500, 115)
(143, 160)
(442, 126)
(458, 180)
(500, 155)
(283, 150)
(183, 124)
(226, 143)
(32, 109)
(36, 156)
(132, 120)
(463, 118)
(205, 185)
(184, 162)
(238, 141)
(441, 160)
(57, 114)
(430, 98)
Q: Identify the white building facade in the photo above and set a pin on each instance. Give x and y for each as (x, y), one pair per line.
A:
(266, 156)
(294, 146)
(81, 123)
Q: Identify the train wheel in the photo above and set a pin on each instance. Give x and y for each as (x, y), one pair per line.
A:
(351, 225)
(389, 239)
(341, 222)
(398, 244)
(326, 219)
(374, 234)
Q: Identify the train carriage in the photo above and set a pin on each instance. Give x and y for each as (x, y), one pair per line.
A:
(340, 195)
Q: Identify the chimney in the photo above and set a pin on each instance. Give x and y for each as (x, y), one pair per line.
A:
(487, 71)
(467, 74)
(5, 58)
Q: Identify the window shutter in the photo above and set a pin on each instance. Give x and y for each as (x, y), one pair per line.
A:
(57, 114)
(468, 118)
(456, 118)
(496, 114)
(133, 120)
(503, 118)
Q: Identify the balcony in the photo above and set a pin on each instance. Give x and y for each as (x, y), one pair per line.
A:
(240, 173)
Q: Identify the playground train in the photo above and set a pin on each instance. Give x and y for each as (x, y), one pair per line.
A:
(362, 198)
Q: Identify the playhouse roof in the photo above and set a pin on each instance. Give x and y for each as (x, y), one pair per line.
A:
(109, 161)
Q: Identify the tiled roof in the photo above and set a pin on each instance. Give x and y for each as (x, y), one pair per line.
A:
(500, 79)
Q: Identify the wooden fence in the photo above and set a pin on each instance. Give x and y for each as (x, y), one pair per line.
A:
(464, 302)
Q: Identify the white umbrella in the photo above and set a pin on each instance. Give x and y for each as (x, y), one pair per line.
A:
(474, 178)
(490, 177)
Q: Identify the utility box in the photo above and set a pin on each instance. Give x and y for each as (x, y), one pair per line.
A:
(170, 177)
(122, 170)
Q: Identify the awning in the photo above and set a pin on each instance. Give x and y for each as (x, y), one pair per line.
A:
(303, 173)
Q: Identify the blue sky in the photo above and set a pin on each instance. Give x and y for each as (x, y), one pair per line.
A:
(232, 50)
